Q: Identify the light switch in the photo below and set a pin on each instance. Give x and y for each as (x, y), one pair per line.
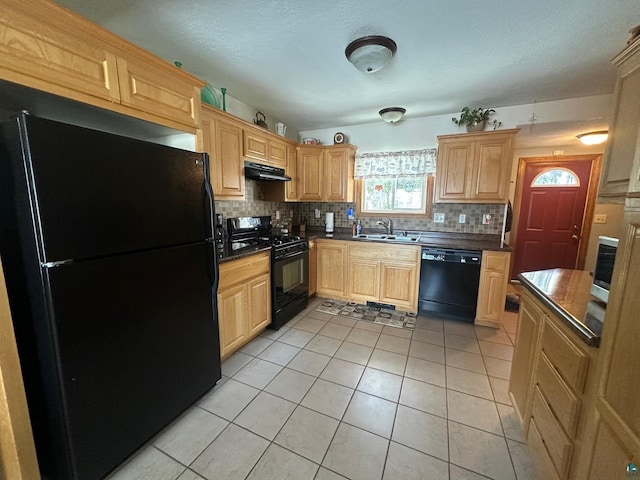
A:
(317, 213)
(462, 218)
(600, 218)
(438, 217)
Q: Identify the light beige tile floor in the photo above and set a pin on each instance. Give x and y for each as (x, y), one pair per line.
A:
(328, 398)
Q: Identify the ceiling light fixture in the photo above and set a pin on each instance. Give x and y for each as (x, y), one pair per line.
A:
(392, 114)
(369, 54)
(594, 138)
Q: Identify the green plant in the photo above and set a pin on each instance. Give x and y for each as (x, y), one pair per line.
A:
(477, 115)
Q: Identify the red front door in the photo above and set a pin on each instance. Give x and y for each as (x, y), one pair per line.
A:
(550, 220)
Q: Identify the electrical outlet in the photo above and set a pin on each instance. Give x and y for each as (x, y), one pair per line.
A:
(317, 213)
(438, 217)
(462, 218)
(600, 218)
(486, 219)
(277, 214)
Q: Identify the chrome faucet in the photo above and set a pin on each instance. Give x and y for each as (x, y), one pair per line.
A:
(386, 224)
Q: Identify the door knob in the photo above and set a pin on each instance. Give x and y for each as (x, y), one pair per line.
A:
(575, 237)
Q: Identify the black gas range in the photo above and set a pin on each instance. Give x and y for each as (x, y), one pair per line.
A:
(289, 264)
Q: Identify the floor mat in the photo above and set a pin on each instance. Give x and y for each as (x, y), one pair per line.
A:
(369, 313)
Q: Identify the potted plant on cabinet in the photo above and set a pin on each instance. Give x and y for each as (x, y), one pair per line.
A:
(477, 119)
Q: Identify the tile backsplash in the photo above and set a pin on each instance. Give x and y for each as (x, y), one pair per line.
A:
(252, 206)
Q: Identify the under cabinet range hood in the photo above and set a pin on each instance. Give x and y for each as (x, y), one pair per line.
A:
(257, 171)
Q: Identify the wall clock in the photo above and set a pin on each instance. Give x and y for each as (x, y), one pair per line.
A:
(339, 138)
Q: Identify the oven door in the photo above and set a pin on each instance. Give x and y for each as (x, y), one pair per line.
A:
(290, 285)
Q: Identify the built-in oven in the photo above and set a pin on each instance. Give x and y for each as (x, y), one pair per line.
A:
(289, 281)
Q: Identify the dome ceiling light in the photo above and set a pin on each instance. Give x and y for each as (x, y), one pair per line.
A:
(594, 138)
(369, 54)
(392, 114)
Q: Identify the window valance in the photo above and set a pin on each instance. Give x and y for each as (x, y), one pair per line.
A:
(407, 163)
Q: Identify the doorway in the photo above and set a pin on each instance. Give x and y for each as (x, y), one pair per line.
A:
(554, 202)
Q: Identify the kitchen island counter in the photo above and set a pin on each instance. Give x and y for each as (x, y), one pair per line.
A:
(567, 293)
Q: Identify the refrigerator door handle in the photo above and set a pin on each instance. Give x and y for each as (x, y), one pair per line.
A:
(55, 264)
(213, 264)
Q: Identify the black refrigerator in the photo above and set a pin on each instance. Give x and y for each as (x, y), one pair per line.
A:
(109, 259)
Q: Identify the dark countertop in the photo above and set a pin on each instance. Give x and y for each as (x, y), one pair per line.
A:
(463, 241)
(567, 293)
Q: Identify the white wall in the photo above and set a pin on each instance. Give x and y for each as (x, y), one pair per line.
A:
(414, 133)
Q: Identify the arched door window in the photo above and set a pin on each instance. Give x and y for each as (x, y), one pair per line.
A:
(556, 177)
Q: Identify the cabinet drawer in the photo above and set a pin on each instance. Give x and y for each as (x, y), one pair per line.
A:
(539, 453)
(556, 441)
(496, 261)
(565, 356)
(564, 403)
(379, 251)
(239, 271)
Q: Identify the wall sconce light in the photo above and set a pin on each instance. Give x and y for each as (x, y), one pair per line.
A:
(392, 114)
(594, 138)
(370, 54)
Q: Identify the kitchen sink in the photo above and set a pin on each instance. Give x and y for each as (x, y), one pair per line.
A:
(387, 238)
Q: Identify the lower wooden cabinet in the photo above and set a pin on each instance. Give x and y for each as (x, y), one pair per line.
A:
(552, 380)
(313, 267)
(492, 290)
(244, 300)
(332, 267)
(361, 272)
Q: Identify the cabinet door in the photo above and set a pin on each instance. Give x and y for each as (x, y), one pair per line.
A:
(492, 169)
(313, 267)
(223, 142)
(149, 89)
(454, 171)
(232, 318)
(277, 153)
(291, 188)
(492, 290)
(524, 354)
(259, 301)
(622, 145)
(338, 175)
(310, 173)
(36, 53)
(398, 285)
(256, 146)
(364, 279)
(332, 257)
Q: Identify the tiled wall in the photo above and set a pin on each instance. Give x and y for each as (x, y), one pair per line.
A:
(252, 206)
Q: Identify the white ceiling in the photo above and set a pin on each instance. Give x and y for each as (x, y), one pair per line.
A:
(286, 57)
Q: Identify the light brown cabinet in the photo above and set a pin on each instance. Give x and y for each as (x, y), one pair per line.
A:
(530, 319)
(474, 167)
(49, 48)
(264, 147)
(244, 300)
(376, 272)
(325, 173)
(624, 133)
(552, 379)
(313, 267)
(494, 273)
(222, 140)
(384, 273)
(332, 268)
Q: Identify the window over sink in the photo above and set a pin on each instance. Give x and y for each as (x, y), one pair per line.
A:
(395, 182)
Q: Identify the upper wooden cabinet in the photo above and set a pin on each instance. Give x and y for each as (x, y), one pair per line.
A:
(49, 48)
(624, 133)
(475, 167)
(264, 147)
(325, 173)
(222, 140)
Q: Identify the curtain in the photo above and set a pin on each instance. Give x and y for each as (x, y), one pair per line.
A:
(408, 163)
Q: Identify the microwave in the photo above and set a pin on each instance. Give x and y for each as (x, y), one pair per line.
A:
(603, 272)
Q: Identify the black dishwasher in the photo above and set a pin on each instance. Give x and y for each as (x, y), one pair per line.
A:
(449, 283)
